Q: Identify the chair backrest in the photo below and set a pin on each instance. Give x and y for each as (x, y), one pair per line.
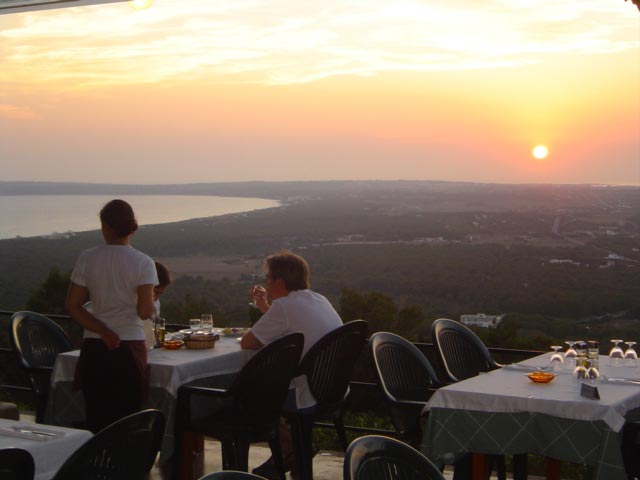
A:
(261, 387)
(403, 370)
(406, 377)
(231, 475)
(16, 464)
(125, 450)
(463, 354)
(329, 362)
(37, 341)
(382, 458)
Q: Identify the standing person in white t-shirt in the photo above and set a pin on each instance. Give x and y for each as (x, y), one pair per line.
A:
(288, 305)
(118, 279)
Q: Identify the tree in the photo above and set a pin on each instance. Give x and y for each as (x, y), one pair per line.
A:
(50, 296)
(378, 309)
(408, 320)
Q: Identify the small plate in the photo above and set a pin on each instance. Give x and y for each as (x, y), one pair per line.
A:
(233, 331)
(541, 377)
(172, 344)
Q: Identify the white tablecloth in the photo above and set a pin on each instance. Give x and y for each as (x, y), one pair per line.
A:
(508, 390)
(169, 369)
(48, 452)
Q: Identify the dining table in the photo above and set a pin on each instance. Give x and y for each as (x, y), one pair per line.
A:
(503, 412)
(50, 446)
(168, 370)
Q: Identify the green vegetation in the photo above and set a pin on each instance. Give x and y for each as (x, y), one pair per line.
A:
(559, 262)
(553, 259)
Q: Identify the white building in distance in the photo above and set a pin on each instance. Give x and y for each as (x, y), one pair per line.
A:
(481, 320)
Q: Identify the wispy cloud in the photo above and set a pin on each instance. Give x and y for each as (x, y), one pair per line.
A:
(17, 113)
(286, 42)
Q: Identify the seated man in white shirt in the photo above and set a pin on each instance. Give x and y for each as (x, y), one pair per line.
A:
(293, 308)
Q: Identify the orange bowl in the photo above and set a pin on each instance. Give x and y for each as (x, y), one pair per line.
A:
(541, 377)
(172, 344)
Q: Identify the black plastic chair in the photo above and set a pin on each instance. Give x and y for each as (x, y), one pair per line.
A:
(462, 352)
(382, 458)
(464, 356)
(327, 365)
(249, 409)
(125, 450)
(16, 464)
(407, 379)
(631, 449)
(37, 341)
(231, 475)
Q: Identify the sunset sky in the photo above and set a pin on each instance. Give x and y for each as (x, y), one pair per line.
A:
(208, 91)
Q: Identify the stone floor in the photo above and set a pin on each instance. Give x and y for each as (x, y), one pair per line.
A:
(326, 465)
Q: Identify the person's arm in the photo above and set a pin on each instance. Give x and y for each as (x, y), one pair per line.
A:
(250, 342)
(144, 306)
(77, 295)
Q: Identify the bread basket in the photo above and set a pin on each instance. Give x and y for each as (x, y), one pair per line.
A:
(200, 340)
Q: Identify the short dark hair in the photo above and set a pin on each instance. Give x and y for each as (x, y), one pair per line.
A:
(119, 215)
(164, 275)
(292, 268)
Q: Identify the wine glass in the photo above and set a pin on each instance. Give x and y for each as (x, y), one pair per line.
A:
(592, 374)
(206, 322)
(580, 372)
(195, 324)
(630, 355)
(616, 354)
(570, 355)
(255, 293)
(556, 357)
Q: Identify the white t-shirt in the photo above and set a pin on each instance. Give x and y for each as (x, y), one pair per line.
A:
(301, 311)
(112, 274)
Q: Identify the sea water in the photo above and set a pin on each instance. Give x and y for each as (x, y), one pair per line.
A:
(34, 215)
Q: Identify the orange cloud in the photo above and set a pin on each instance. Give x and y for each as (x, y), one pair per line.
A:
(18, 113)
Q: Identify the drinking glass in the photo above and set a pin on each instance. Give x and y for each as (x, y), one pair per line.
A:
(630, 355)
(195, 324)
(159, 330)
(556, 357)
(580, 373)
(616, 354)
(206, 322)
(570, 355)
(592, 374)
(255, 293)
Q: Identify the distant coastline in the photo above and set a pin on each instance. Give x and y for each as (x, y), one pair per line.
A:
(62, 216)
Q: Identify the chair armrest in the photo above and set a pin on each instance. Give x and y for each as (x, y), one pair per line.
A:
(189, 390)
(414, 403)
(41, 369)
(392, 399)
(183, 410)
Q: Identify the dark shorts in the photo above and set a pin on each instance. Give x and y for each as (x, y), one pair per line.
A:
(114, 383)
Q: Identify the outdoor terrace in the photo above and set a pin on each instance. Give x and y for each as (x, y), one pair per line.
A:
(366, 413)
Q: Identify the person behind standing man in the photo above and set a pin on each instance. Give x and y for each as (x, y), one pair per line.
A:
(118, 279)
(164, 280)
(289, 305)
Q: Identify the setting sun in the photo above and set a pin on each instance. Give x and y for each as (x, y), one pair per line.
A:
(540, 152)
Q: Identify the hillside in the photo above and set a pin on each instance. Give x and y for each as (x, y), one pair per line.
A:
(553, 250)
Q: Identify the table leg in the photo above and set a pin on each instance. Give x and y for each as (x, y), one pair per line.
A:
(479, 466)
(552, 468)
(192, 456)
